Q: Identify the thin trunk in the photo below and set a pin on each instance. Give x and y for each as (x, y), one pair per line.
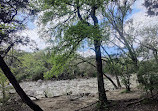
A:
(101, 89)
(3, 92)
(128, 89)
(115, 86)
(155, 56)
(19, 90)
(128, 82)
(7, 50)
(130, 48)
(97, 44)
(118, 81)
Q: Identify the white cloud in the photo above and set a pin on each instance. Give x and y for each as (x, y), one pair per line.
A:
(33, 35)
(86, 53)
(139, 5)
(140, 18)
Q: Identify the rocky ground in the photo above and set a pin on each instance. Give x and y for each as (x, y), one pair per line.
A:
(41, 89)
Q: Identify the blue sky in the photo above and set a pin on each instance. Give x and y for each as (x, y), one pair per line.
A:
(138, 14)
(31, 25)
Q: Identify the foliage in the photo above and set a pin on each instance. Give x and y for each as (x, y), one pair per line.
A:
(44, 65)
(9, 21)
(4, 88)
(86, 66)
(57, 67)
(113, 67)
(30, 66)
(149, 43)
(83, 30)
(151, 6)
(122, 67)
(128, 69)
(148, 76)
(70, 68)
(116, 16)
(8, 15)
(68, 23)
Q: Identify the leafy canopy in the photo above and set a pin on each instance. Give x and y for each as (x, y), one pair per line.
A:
(67, 24)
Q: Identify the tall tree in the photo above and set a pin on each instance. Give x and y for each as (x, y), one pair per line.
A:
(9, 24)
(148, 43)
(116, 15)
(70, 22)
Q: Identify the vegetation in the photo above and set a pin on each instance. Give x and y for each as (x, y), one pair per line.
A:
(9, 24)
(149, 76)
(4, 88)
(68, 26)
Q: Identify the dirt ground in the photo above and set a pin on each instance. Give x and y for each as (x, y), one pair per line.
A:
(88, 102)
(82, 101)
(81, 96)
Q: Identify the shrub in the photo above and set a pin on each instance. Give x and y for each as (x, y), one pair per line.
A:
(4, 87)
(148, 76)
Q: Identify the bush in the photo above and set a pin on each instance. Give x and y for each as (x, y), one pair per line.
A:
(4, 87)
(148, 76)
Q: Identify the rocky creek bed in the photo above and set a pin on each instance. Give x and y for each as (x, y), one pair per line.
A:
(41, 89)
(71, 95)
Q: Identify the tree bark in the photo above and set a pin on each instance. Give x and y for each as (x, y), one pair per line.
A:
(115, 86)
(101, 89)
(3, 92)
(155, 55)
(97, 44)
(130, 48)
(19, 90)
(118, 81)
(128, 89)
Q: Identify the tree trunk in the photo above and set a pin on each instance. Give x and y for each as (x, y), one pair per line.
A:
(101, 89)
(118, 81)
(115, 86)
(155, 56)
(132, 53)
(19, 90)
(128, 89)
(97, 44)
(3, 92)
(128, 83)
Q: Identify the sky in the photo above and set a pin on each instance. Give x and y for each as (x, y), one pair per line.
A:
(140, 20)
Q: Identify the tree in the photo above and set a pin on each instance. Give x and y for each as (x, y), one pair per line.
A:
(127, 70)
(148, 49)
(73, 27)
(8, 25)
(148, 72)
(148, 46)
(151, 6)
(89, 61)
(116, 16)
(113, 68)
(19, 90)
(3, 84)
